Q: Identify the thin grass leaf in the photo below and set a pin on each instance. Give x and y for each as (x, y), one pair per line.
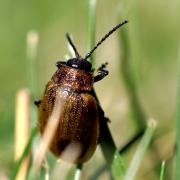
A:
(74, 173)
(108, 146)
(129, 75)
(25, 153)
(32, 43)
(78, 172)
(139, 154)
(130, 81)
(117, 166)
(162, 170)
(42, 174)
(107, 143)
(122, 150)
(70, 175)
(91, 27)
(22, 129)
(113, 159)
(177, 175)
(31, 55)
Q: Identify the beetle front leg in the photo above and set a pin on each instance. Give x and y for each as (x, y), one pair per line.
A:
(102, 72)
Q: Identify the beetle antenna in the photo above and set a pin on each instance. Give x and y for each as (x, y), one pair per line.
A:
(105, 37)
(72, 45)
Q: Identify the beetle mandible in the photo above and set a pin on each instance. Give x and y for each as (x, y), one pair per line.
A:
(79, 120)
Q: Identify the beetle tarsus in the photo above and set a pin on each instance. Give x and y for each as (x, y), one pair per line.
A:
(37, 103)
(102, 72)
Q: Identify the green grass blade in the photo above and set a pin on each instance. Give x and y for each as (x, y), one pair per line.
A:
(113, 159)
(122, 150)
(107, 144)
(91, 27)
(25, 153)
(108, 147)
(117, 166)
(162, 170)
(178, 121)
(139, 154)
(78, 172)
(42, 174)
(75, 173)
(130, 80)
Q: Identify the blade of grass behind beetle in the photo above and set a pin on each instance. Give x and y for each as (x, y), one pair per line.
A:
(139, 154)
(177, 175)
(110, 152)
(122, 151)
(25, 153)
(130, 81)
(32, 43)
(91, 28)
(78, 172)
(162, 170)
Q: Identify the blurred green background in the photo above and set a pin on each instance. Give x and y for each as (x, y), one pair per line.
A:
(153, 33)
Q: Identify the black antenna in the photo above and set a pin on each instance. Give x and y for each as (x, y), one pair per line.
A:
(105, 37)
(71, 43)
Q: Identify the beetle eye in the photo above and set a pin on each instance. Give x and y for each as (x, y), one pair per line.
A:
(75, 65)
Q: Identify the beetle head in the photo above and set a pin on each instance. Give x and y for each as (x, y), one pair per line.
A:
(82, 63)
(79, 63)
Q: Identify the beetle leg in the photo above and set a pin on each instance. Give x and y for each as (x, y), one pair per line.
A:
(37, 103)
(102, 72)
(58, 64)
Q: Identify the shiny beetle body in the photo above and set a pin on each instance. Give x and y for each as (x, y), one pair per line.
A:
(79, 120)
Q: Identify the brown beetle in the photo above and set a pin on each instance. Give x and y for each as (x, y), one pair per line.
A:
(79, 119)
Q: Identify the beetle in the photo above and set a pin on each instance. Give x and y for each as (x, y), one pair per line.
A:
(79, 119)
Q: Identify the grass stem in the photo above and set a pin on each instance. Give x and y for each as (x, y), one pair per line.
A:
(78, 172)
(91, 28)
(162, 170)
(177, 173)
(130, 81)
(32, 43)
(139, 154)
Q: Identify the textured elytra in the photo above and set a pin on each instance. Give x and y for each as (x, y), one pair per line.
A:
(78, 123)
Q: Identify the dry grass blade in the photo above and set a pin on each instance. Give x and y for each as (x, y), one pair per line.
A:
(22, 129)
(48, 133)
(31, 53)
(32, 42)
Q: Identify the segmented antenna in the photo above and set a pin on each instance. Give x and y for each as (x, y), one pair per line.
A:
(71, 43)
(105, 37)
